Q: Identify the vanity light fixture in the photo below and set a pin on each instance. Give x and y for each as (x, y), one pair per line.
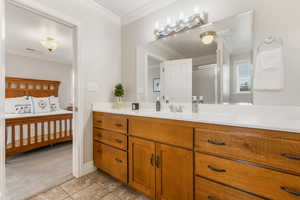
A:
(182, 24)
(208, 37)
(50, 44)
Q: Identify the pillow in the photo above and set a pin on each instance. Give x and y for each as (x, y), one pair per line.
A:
(54, 103)
(41, 105)
(18, 105)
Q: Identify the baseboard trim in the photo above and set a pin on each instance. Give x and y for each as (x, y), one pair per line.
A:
(88, 168)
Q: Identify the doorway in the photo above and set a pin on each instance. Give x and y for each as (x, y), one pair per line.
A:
(76, 151)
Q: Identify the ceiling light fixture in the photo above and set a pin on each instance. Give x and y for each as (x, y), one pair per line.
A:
(50, 44)
(208, 37)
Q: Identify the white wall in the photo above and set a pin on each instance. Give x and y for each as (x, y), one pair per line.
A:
(100, 53)
(279, 18)
(28, 67)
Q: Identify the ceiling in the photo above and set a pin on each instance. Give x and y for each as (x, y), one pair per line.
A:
(123, 7)
(25, 30)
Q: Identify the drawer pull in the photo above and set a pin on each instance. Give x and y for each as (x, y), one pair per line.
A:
(152, 159)
(118, 125)
(99, 135)
(290, 191)
(157, 162)
(210, 198)
(216, 143)
(290, 156)
(216, 170)
(118, 141)
(118, 160)
(99, 121)
(99, 151)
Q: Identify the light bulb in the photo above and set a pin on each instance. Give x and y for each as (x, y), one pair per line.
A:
(181, 16)
(168, 21)
(196, 10)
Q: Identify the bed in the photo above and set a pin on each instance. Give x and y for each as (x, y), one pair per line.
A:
(26, 132)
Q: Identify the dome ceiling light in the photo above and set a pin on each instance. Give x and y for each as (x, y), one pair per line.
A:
(50, 44)
(208, 37)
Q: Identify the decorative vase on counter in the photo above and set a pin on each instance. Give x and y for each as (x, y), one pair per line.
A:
(119, 93)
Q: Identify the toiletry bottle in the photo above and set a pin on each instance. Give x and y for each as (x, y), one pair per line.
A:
(195, 105)
(201, 100)
(158, 106)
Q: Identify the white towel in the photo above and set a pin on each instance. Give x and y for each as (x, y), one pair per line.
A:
(269, 70)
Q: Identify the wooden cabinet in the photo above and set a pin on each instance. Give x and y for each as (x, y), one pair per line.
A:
(174, 174)
(158, 130)
(111, 161)
(142, 166)
(111, 138)
(110, 122)
(208, 190)
(176, 160)
(110, 144)
(160, 171)
(250, 145)
(264, 182)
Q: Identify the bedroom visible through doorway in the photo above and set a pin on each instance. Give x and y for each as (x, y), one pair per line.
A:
(39, 92)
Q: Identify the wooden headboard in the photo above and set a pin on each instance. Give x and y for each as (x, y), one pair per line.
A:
(18, 87)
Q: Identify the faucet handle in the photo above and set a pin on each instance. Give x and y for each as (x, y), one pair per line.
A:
(180, 108)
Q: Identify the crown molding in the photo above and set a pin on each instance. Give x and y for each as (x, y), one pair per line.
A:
(145, 10)
(104, 11)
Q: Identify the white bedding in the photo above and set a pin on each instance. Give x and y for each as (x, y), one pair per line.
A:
(11, 116)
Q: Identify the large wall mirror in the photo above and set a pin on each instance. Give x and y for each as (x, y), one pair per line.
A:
(212, 62)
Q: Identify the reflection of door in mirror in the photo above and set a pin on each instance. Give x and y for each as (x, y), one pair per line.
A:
(153, 75)
(176, 80)
(205, 83)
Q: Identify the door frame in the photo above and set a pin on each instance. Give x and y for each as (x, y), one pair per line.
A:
(142, 55)
(78, 96)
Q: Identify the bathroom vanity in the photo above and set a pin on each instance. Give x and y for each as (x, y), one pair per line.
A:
(174, 159)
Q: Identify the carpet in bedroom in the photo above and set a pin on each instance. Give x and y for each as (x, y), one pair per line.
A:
(31, 173)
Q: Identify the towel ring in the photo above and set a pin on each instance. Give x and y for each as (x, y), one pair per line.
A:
(269, 41)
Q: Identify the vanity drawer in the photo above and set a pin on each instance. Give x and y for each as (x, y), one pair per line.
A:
(250, 146)
(157, 130)
(208, 190)
(264, 182)
(111, 138)
(111, 161)
(110, 122)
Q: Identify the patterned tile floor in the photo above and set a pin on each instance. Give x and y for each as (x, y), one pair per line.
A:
(94, 186)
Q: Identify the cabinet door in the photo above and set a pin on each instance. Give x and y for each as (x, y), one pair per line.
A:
(174, 173)
(111, 160)
(142, 166)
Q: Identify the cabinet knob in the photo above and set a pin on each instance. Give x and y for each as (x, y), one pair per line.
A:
(216, 143)
(99, 121)
(288, 190)
(99, 135)
(210, 198)
(118, 125)
(157, 162)
(152, 159)
(216, 169)
(118, 160)
(118, 141)
(292, 157)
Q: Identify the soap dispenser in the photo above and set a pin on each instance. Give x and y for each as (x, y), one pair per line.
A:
(195, 105)
(157, 104)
